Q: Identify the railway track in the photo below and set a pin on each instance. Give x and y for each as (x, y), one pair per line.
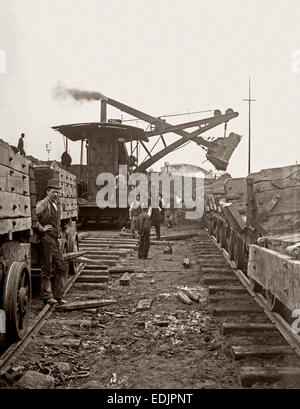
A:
(263, 344)
(102, 253)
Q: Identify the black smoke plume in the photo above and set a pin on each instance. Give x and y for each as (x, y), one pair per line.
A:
(63, 92)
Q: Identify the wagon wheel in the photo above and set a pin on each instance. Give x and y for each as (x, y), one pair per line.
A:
(17, 300)
(74, 246)
(238, 252)
(271, 300)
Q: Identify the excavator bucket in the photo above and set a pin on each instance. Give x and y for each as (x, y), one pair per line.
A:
(220, 151)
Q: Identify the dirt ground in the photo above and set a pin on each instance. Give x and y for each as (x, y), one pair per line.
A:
(171, 345)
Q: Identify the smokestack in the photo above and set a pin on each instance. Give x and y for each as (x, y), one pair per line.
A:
(103, 110)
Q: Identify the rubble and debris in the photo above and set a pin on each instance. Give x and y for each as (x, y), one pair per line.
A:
(126, 279)
(162, 323)
(144, 304)
(183, 297)
(63, 367)
(193, 295)
(186, 263)
(35, 380)
(168, 250)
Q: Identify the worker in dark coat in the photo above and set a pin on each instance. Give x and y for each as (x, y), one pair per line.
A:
(155, 217)
(144, 230)
(49, 250)
(21, 144)
(66, 160)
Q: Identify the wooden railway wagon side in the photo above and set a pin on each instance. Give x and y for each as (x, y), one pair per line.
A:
(261, 217)
(15, 249)
(21, 186)
(274, 213)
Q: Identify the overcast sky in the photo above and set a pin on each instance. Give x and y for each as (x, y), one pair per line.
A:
(161, 57)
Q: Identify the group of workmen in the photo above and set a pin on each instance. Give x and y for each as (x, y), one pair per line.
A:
(142, 217)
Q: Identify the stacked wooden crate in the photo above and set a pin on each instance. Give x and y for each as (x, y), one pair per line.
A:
(68, 195)
(15, 209)
(68, 206)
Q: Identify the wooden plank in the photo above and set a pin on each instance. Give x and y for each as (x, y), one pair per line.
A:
(280, 242)
(214, 278)
(288, 200)
(235, 193)
(65, 342)
(96, 278)
(183, 297)
(276, 272)
(276, 173)
(14, 205)
(214, 269)
(241, 352)
(85, 304)
(13, 181)
(13, 160)
(242, 309)
(95, 270)
(15, 225)
(221, 288)
(251, 375)
(231, 327)
(121, 270)
(93, 286)
(233, 216)
(224, 298)
(193, 295)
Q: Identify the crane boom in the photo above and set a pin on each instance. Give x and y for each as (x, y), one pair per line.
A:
(219, 151)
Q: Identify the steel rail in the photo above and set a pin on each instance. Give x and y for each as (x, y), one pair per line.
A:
(281, 325)
(15, 350)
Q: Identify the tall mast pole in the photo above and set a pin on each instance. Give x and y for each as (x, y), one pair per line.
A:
(249, 131)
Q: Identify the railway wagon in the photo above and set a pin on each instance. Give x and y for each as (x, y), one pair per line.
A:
(21, 185)
(257, 220)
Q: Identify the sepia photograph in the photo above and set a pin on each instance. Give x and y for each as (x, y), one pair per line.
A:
(149, 197)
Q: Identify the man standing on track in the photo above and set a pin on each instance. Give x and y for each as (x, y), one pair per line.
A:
(144, 229)
(155, 217)
(134, 212)
(50, 253)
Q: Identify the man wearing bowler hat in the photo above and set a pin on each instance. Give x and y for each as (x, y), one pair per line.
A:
(50, 253)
